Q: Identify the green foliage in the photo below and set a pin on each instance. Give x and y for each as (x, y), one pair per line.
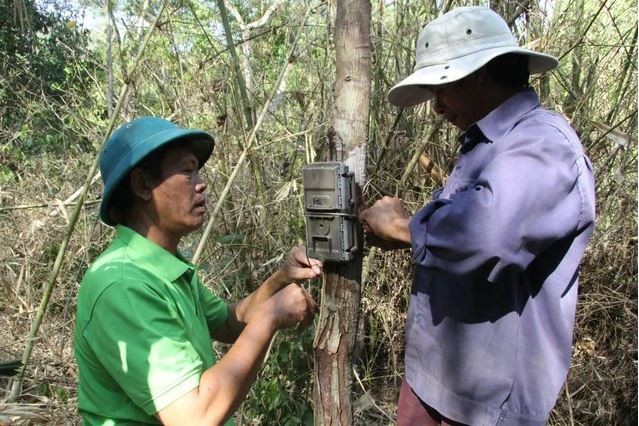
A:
(47, 65)
(282, 394)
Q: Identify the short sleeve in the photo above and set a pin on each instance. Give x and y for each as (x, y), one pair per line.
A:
(215, 309)
(141, 341)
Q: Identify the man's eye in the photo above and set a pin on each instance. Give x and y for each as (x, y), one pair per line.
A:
(190, 173)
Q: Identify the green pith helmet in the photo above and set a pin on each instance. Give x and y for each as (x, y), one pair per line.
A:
(135, 140)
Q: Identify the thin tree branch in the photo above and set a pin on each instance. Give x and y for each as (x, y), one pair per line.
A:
(247, 147)
(415, 159)
(236, 63)
(583, 34)
(262, 21)
(234, 12)
(42, 205)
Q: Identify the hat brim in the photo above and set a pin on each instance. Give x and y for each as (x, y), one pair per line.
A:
(414, 89)
(201, 143)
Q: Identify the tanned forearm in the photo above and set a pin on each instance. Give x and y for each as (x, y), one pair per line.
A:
(241, 312)
(245, 308)
(223, 386)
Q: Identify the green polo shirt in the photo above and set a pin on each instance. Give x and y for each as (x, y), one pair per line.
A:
(143, 331)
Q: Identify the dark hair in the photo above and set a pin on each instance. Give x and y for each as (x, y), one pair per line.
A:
(123, 196)
(509, 70)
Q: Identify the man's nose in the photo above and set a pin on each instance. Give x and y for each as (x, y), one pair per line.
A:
(200, 184)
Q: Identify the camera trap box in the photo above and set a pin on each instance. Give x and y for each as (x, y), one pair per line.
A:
(332, 229)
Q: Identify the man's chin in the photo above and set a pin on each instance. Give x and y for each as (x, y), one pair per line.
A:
(195, 224)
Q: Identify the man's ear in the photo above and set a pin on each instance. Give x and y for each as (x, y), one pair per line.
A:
(479, 76)
(141, 184)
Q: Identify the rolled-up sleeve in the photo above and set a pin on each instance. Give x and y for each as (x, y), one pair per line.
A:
(524, 198)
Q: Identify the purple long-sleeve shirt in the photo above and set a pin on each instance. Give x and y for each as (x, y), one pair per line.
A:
(497, 252)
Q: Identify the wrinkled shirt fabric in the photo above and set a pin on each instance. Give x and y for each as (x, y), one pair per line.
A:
(497, 252)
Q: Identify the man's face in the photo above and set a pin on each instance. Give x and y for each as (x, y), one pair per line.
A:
(458, 102)
(178, 195)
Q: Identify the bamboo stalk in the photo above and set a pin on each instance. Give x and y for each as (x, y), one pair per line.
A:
(35, 325)
(249, 143)
(236, 63)
(248, 108)
(625, 81)
(583, 33)
(76, 194)
(389, 137)
(415, 159)
(568, 400)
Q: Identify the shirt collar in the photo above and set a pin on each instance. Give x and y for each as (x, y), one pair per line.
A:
(149, 255)
(500, 121)
(470, 138)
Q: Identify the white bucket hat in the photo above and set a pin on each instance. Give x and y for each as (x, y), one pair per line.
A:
(456, 44)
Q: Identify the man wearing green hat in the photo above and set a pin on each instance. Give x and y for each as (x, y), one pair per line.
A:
(497, 250)
(144, 322)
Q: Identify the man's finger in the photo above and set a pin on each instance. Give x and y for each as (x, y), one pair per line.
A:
(305, 274)
(299, 253)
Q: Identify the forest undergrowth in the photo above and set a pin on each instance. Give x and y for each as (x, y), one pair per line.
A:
(60, 83)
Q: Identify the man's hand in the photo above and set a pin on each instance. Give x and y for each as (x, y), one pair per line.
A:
(388, 220)
(299, 267)
(296, 268)
(292, 306)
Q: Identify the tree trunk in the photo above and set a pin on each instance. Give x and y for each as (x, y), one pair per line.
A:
(341, 291)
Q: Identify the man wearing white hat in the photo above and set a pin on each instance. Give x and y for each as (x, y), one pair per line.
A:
(497, 250)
